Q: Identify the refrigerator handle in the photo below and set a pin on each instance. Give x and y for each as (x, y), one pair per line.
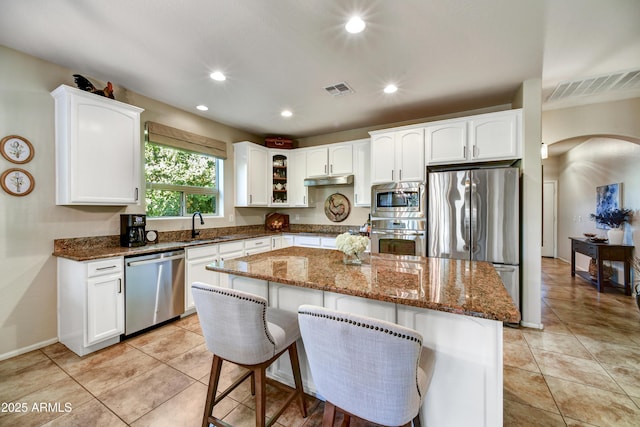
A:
(466, 210)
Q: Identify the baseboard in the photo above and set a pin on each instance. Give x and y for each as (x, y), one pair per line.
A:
(27, 349)
(532, 325)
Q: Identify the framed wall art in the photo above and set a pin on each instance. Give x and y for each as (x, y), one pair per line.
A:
(17, 182)
(607, 198)
(16, 149)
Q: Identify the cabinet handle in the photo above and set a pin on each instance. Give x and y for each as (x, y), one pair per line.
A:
(250, 199)
(356, 196)
(391, 174)
(331, 168)
(475, 151)
(464, 152)
(106, 268)
(119, 286)
(400, 175)
(304, 200)
(136, 192)
(325, 168)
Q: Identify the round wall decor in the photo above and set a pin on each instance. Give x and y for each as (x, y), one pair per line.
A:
(17, 182)
(16, 149)
(337, 207)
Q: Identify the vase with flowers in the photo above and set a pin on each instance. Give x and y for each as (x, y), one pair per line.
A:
(614, 219)
(352, 246)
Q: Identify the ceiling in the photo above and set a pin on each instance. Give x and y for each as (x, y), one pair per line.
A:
(445, 56)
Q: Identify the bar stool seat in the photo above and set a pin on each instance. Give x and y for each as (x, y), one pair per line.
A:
(238, 327)
(371, 369)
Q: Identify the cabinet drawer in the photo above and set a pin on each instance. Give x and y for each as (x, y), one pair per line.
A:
(308, 241)
(585, 248)
(225, 248)
(257, 243)
(105, 266)
(202, 251)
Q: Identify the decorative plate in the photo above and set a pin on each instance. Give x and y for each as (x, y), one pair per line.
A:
(17, 182)
(151, 236)
(337, 207)
(16, 149)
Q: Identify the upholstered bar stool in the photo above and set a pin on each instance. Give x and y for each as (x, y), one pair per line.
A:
(368, 368)
(238, 327)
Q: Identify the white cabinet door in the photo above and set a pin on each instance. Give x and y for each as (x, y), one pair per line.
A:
(299, 193)
(197, 260)
(249, 285)
(105, 308)
(495, 136)
(279, 182)
(276, 242)
(383, 155)
(257, 246)
(250, 162)
(362, 173)
(328, 242)
(287, 240)
(341, 159)
(97, 149)
(446, 143)
(410, 155)
(307, 241)
(317, 162)
(362, 306)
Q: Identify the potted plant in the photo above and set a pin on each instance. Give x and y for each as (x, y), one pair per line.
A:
(614, 218)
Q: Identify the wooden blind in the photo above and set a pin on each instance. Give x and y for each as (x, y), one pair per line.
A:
(177, 138)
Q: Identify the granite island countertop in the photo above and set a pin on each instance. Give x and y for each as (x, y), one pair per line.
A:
(471, 288)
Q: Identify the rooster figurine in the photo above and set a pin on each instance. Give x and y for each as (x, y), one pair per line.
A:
(84, 84)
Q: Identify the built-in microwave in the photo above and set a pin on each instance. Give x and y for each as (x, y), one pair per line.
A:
(398, 200)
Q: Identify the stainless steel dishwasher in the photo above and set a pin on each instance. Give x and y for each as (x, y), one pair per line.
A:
(154, 289)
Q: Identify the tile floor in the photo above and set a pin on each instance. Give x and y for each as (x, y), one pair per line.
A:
(582, 370)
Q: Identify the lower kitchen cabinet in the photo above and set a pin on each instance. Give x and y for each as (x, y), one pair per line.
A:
(90, 303)
(197, 260)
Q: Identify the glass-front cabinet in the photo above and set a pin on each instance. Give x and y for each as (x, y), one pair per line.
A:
(280, 171)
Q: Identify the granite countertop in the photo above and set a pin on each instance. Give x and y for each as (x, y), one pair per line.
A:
(470, 288)
(91, 248)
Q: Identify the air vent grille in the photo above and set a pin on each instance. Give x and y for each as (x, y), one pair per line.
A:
(339, 89)
(627, 80)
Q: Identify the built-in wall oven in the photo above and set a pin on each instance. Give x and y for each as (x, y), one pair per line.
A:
(398, 219)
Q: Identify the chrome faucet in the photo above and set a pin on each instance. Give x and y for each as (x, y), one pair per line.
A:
(194, 233)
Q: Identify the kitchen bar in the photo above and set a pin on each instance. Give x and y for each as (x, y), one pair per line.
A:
(459, 307)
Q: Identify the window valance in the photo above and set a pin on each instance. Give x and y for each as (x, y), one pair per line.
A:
(177, 138)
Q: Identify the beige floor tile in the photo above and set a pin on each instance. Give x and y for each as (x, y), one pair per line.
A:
(196, 362)
(29, 378)
(513, 336)
(184, 409)
(604, 334)
(55, 350)
(576, 423)
(92, 413)
(559, 343)
(593, 405)
(614, 354)
(74, 364)
(517, 414)
(627, 377)
(152, 335)
(575, 369)
(528, 388)
(21, 363)
(168, 346)
(48, 403)
(519, 356)
(145, 392)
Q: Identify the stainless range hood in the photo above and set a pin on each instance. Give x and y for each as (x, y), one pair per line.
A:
(328, 180)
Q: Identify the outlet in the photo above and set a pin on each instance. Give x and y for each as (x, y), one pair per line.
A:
(297, 217)
(232, 217)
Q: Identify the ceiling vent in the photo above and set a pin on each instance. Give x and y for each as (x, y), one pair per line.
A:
(339, 89)
(624, 80)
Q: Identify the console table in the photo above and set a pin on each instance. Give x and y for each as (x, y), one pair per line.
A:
(601, 252)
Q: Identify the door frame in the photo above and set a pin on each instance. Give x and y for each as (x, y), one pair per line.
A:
(554, 183)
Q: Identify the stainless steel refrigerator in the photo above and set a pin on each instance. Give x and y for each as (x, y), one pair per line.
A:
(474, 214)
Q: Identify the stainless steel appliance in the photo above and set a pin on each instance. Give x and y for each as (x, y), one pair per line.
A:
(400, 236)
(398, 200)
(154, 289)
(474, 214)
(132, 230)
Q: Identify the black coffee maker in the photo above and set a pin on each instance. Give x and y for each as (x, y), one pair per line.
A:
(132, 231)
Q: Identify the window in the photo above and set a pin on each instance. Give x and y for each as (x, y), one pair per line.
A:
(180, 182)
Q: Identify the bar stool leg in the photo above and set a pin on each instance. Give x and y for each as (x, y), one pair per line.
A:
(297, 377)
(214, 377)
(261, 395)
(329, 414)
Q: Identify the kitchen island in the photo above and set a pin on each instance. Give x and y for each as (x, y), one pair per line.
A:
(458, 306)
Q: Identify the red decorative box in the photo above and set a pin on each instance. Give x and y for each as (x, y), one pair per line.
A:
(279, 142)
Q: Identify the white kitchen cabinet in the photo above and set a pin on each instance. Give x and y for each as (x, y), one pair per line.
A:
(257, 246)
(481, 138)
(90, 303)
(229, 250)
(397, 156)
(328, 242)
(362, 172)
(307, 241)
(276, 242)
(362, 306)
(287, 240)
(97, 149)
(299, 193)
(331, 160)
(197, 260)
(250, 163)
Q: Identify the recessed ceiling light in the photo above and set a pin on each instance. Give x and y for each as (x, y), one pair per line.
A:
(218, 76)
(202, 107)
(286, 113)
(355, 25)
(390, 89)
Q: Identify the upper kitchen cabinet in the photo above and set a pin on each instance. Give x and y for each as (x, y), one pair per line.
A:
(362, 172)
(250, 165)
(280, 172)
(298, 192)
(481, 138)
(335, 159)
(97, 149)
(397, 155)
